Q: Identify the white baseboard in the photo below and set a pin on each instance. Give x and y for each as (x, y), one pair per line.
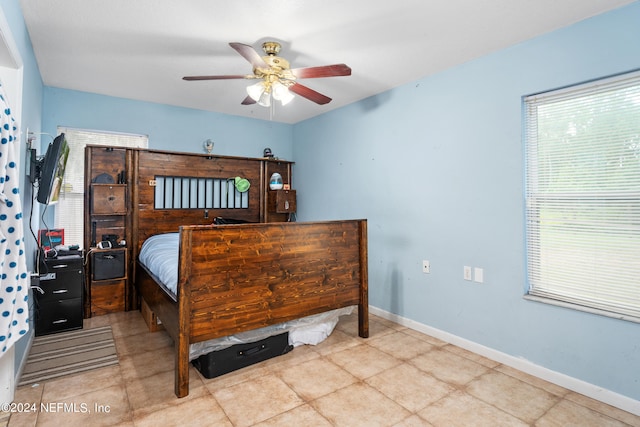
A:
(590, 390)
(7, 389)
(23, 362)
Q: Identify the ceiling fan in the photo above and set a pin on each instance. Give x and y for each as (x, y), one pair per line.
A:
(277, 79)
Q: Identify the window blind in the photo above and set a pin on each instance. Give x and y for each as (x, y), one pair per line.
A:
(70, 209)
(583, 195)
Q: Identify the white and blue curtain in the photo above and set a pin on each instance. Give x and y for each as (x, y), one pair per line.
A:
(14, 280)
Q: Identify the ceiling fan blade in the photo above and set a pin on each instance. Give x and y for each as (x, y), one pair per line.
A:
(324, 71)
(310, 94)
(248, 101)
(229, 77)
(250, 54)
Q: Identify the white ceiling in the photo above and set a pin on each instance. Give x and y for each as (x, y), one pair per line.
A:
(141, 49)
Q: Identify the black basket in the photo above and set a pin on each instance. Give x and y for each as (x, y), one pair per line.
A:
(108, 264)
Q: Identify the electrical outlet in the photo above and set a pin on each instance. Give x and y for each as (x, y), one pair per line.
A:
(467, 272)
(426, 266)
(478, 275)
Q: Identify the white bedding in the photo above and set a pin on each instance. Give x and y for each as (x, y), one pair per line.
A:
(159, 254)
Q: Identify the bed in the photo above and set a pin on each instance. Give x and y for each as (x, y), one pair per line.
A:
(238, 277)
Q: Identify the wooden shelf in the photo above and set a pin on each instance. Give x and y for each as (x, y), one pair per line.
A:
(107, 207)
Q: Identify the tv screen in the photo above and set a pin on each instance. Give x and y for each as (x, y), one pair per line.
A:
(52, 170)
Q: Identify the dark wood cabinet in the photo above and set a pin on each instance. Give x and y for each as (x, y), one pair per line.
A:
(58, 295)
(107, 220)
(281, 201)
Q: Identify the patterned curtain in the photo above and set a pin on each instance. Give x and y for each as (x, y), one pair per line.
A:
(14, 281)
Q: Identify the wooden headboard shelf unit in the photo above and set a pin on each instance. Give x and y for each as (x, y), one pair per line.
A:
(138, 169)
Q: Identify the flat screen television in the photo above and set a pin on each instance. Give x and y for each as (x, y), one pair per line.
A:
(52, 170)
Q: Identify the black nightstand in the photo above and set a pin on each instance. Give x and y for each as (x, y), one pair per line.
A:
(60, 307)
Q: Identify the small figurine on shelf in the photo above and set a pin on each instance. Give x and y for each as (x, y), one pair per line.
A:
(208, 146)
(267, 153)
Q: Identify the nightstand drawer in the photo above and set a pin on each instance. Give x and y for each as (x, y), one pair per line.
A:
(60, 279)
(282, 201)
(58, 289)
(58, 316)
(107, 297)
(108, 264)
(108, 199)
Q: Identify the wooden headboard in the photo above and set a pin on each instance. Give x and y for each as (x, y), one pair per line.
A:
(148, 165)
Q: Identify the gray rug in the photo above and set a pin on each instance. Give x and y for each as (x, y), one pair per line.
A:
(67, 353)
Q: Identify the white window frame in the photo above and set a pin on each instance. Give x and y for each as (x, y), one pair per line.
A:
(583, 220)
(69, 212)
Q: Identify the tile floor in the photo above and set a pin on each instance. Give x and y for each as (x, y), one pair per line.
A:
(397, 377)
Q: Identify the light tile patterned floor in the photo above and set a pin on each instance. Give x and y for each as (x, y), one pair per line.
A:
(397, 377)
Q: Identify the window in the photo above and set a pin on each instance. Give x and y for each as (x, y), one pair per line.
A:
(583, 196)
(70, 208)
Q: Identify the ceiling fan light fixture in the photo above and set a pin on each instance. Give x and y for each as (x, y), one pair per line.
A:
(265, 98)
(255, 91)
(261, 93)
(281, 93)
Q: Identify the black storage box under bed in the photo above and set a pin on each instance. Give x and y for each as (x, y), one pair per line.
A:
(238, 356)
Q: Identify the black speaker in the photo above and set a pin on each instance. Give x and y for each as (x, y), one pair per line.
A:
(108, 264)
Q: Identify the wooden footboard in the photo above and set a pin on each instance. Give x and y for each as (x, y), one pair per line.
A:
(236, 278)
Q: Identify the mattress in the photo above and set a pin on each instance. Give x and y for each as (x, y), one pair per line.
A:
(159, 254)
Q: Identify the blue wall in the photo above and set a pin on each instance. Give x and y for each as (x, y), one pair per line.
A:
(437, 168)
(31, 118)
(31, 101)
(168, 127)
